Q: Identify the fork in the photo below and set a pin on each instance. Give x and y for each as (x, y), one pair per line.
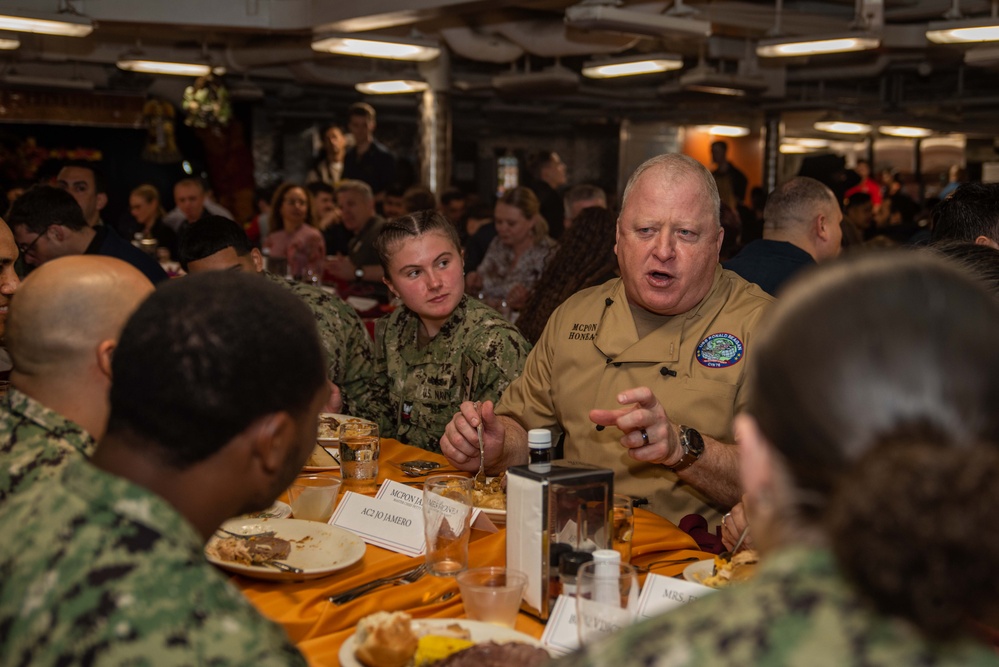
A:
(268, 533)
(480, 477)
(278, 565)
(397, 580)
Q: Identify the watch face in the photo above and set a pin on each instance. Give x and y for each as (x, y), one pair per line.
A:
(693, 441)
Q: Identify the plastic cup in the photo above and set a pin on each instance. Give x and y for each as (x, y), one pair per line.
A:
(313, 497)
(492, 594)
(606, 599)
(447, 513)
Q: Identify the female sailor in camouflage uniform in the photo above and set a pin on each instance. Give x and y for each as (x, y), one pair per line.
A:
(441, 347)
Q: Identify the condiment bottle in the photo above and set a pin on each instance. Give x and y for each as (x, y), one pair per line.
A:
(606, 575)
(539, 443)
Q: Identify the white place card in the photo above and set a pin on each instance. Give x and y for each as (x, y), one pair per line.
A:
(383, 522)
(561, 636)
(660, 594)
(410, 497)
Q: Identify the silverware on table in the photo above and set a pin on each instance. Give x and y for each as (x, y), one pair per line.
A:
(399, 579)
(480, 477)
(672, 561)
(278, 565)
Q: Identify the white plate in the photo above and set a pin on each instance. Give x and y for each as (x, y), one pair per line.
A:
(498, 517)
(335, 439)
(333, 451)
(698, 571)
(278, 510)
(361, 304)
(317, 548)
(481, 632)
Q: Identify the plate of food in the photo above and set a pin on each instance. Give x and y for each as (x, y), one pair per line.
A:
(394, 639)
(316, 548)
(329, 427)
(719, 572)
(323, 458)
(491, 499)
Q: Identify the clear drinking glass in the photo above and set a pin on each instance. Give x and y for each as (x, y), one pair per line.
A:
(447, 513)
(359, 456)
(606, 599)
(492, 594)
(622, 526)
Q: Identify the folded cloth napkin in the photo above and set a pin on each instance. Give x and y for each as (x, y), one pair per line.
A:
(697, 527)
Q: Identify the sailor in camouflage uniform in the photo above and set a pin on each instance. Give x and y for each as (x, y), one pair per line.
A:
(219, 244)
(441, 347)
(106, 567)
(61, 331)
(36, 443)
(474, 357)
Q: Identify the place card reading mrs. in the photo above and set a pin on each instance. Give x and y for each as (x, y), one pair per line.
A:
(660, 594)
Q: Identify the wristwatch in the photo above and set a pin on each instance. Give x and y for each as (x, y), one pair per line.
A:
(693, 447)
(358, 273)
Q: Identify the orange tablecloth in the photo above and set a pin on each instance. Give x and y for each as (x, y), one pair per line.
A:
(319, 628)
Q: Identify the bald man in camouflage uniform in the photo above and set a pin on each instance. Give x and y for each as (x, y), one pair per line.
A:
(105, 565)
(219, 244)
(421, 386)
(61, 333)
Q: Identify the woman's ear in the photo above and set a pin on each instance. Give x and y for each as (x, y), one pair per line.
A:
(388, 283)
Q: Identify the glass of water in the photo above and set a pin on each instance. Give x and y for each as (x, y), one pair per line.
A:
(447, 511)
(359, 456)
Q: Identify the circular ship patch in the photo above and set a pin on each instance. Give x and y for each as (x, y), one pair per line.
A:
(719, 350)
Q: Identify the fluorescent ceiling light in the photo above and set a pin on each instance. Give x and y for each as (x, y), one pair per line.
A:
(780, 47)
(905, 131)
(807, 142)
(614, 19)
(391, 87)
(47, 23)
(161, 67)
(649, 64)
(392, 49)
(724, 130)
(842, 127)
(46, 82)
(794, 149)
(964, 32)
(9, 41)
(715, 90)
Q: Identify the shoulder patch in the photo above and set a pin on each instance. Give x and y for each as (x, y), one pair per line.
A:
(719, 350)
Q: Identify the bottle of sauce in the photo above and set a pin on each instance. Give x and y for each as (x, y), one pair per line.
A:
(539, 444)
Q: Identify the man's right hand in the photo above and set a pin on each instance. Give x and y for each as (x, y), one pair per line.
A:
(460, 442)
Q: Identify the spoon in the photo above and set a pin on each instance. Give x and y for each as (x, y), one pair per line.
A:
(480, 477)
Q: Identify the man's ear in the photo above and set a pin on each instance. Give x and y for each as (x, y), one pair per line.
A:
(985, 240)
(258, 260)
(105, 352)
(272, 439)
(102, 201)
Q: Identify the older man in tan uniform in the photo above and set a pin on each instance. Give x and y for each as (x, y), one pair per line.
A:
(667, 342)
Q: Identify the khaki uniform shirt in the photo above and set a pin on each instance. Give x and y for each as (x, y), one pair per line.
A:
(797, 611)
(345, 341)
(474, 357)
(695, 364)
(100, 571)
(36, 444)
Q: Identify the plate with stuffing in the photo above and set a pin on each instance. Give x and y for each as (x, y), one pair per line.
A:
(318, 549)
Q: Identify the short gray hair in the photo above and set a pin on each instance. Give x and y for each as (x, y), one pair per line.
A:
(797, 202)
(675, 167)
(352, 185)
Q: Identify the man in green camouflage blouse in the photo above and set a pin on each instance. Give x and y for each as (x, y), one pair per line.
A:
(219, 244)
(105, 566)
(61, 333)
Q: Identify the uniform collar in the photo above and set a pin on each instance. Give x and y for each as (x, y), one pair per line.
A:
(409, 331)
(617, 336)
(21, 404)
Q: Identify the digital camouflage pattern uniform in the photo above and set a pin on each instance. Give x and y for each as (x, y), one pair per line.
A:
(474, 357)
(96, 570)
(798, 610)
(35, 443)
(344, 339)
